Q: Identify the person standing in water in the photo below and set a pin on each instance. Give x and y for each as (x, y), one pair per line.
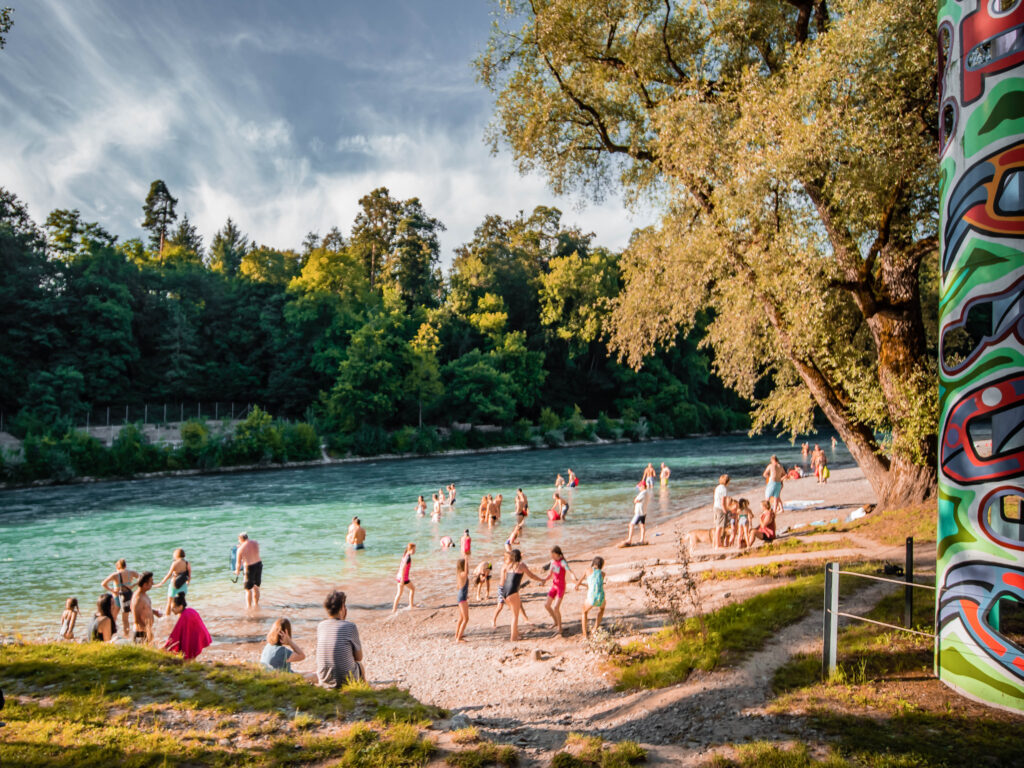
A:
(559, 567)
(180, 575)
(462, 598)
(248, 555)
(356, 534)
(467, 543)
(122, 592)
(665, 473)
(648, 477)
(595, 594)
(435, 514)
(522, 507)
(402, 577)
(451, 496)
(421, 508)
(573, 481)
(143, 611)
(559, 482)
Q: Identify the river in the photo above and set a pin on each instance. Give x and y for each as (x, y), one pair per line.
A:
(62, 541)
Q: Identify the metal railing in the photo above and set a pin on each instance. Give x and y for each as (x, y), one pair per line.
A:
(830, 617)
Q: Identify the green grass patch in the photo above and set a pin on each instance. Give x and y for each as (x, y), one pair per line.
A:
(892, 526)
(583, 751)
(484, 753)
(727, 635)
(794, 544)
(100, 705)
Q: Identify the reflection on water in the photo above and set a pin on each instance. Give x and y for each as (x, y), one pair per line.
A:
(62, 541)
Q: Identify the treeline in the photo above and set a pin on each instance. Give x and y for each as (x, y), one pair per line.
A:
(360, 336)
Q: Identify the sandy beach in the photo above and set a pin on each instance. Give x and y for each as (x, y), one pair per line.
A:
(533, 691)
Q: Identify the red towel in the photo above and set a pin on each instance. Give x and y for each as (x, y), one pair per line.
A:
(189, 635)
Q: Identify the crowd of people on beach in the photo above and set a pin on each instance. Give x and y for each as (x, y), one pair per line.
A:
(339, 655)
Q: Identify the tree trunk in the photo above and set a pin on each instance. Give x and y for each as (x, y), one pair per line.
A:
(907, 484)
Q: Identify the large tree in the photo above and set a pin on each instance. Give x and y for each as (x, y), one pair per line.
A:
(791, 145)
(158, 213)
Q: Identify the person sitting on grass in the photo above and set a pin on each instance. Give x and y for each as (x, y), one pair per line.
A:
(103, 628)
(280, 650)
(338, 650)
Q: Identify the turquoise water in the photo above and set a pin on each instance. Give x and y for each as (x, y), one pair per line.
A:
(61, 541)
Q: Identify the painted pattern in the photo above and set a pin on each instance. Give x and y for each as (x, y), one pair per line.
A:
(980, 574)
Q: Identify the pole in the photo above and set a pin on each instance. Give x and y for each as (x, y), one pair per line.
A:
(181, 420)
(126, 414)
(165, 413)
(216, 410)
(908, 591)
(145, 414)
(830, 621)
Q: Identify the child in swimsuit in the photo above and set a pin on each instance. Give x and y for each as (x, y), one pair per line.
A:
(402, 577)
(743, 537)
(559, 567)
(483, 579)
(467, 543)
(513, 580)
(462, 598)
(68, 619)
(595, 593)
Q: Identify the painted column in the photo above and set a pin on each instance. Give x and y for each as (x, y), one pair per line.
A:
(980, 573)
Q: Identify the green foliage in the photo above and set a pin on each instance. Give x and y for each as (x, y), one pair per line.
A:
(606, 428)
(301, 442)
(482, 754)
(548, 420)
(582, 751)
(576, 428)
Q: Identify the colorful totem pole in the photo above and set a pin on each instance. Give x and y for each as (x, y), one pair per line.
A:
(980, 600)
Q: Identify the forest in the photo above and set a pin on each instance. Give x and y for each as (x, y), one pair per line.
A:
(359, 340)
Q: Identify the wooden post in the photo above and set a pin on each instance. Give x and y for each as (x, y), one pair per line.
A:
(830, 622)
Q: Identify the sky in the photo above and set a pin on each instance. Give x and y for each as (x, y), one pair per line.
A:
(279, 115)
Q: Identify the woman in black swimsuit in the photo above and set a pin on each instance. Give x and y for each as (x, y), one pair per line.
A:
(517, 569)
(103, 626)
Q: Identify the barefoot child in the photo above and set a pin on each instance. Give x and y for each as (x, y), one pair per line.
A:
(558, 569)
(402, 577)
(514, 578)
(595, 593)
(483, 579)
(68, 619)
(467, 543)
(462, 598)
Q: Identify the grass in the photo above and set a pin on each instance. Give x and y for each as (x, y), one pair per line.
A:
(101, 705)
(777, 570)
(892, 526)
(794, 544)
(883, 708)
(484, 753)
(732, 632)
(583, 751)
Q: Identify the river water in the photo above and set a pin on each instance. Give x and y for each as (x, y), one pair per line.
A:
(62, 541)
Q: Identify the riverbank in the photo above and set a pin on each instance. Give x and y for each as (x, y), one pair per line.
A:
(327, 461)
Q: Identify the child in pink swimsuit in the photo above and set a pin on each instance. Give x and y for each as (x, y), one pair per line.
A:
(402, 577)
(558, 568)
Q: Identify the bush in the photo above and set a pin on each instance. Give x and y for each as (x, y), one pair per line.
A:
(131, 452)
(477, 438)
(368, 440)
(427, 440)
(402, 441)
(635, 430)
(301, 442)
(606, 428)
(256, 440)
(549, 420)
(456, 440)
(576, 427)
(554, 438)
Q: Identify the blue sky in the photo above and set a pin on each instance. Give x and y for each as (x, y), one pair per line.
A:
(280, 115)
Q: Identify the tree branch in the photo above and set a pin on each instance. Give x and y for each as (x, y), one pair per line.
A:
(664, 39)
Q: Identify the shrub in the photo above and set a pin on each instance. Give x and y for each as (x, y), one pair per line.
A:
(257, 440)
(301, 442)
(554, 438)
(129, 454)
(606, 427)
(402, 441)
(427, 440)
(477, 438)
(368, 440)
(88, 455)
(576, 427)
(548, 420)
(456, 440)
(194, 438)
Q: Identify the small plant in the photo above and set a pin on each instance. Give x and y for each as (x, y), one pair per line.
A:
(304, 720)
(680, 595)
(469, 735)
(583, 751)
(483, 754)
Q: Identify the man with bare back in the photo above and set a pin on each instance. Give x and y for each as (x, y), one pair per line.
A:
(773, 475)
(142, 610)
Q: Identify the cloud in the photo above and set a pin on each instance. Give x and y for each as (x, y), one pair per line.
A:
(101, 103)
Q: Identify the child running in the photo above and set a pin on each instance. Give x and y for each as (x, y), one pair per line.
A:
(68, 619)
(402, 577)
(559, 567)
(595, 593)
(462, 598)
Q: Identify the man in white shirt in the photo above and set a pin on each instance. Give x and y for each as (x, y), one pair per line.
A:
(639, 512)
(721, 491)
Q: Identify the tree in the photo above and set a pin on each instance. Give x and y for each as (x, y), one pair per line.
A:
(6, 22)
(373, 232)
(158, 213)
(423, 381)
(269, 265)
(228, 247)
(412, 264)
(793, 143)
(576, 294)
(69, 236)
(187, 237)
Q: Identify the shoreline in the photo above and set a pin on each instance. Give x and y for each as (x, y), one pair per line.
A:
(326, 462)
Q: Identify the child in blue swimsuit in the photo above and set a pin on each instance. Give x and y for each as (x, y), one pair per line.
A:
(595, 593)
